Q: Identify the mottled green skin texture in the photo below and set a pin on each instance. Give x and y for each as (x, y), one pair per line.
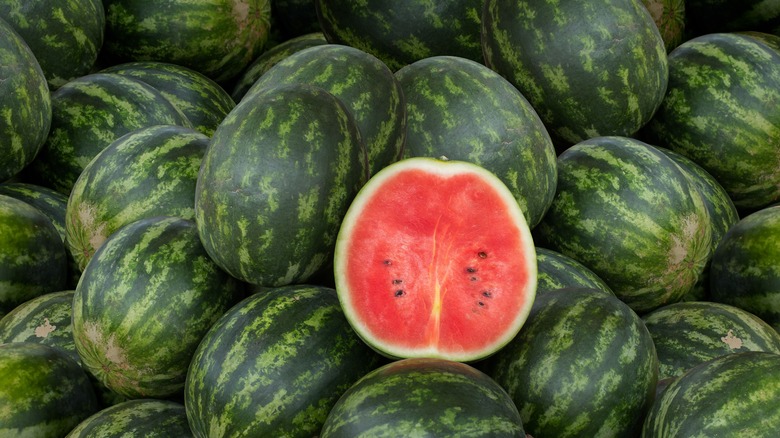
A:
(144, 302)
(88, 114)
(400, 33)
(218, 38)
(204, 102)
(424, 397)
(52, 204)
(146, 418)
(670, 17)
(366, 86)
(628, 212)
(589, 69)
(25, 104)
(583, 365)
(462, 110)
(275, 183)
(43, 392)
(32, 255)
(687, 334)
(147, 172)
(271, 57)
(733, 395)
(274, 365)
(557, 271)
(745, 269)
(65, 36)
(709, 16)
(720, 111)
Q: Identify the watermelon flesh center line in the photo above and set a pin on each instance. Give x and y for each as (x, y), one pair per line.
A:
(441, 270)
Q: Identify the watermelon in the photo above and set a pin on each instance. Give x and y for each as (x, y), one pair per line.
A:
(204, 102)
(25, 103)
(275, 183)
(595, 68)
(415, 229)
(65, 37)
(733, 395)
(32, 255)
(274, 365)
(669, 16)
(400, 33)
(689, 333)
(270, 57)
(147, 172)
(424, 397)
(745, 269)
(630, 214)
(584, 365)
(719, 112)
(557, 271)
(88, 114)
(215, 37)
(360, 80)
(43, 392)
(144, 302)
(462, 110)
(148, 418)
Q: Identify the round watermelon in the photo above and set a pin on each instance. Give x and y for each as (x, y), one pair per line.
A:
(434, 258)
(557, 271)
(424, 397)
(670, 17)
(148, 418)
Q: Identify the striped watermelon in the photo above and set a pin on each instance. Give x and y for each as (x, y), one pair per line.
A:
(147, 172)
(215, 37)
(274, 365)
(584, 365)
(557, 271)
(363, 83)
(630, 214)
(424, 397)
(462, 110)
(733, 395)
(275, 183)
(144, 302)
(25, 103)
(720, 112)
(88, 114)
(65, 36)
(147, 418)
(43, 392)
(670, 17)
(590, 69)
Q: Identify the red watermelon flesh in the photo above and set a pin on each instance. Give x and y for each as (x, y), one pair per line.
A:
(435, 259)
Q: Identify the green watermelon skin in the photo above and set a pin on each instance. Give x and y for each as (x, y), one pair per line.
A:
(275, 183)
(745, 269)
(462, 110)
(670, 17)
(719, 112)
(25, 104)
(628, 213)
(217, 38)
(590, 69)
(424, 397)
(32, 255)
(148, 418)
(364, 83)
(733, 395)
(144, 302)
(44, 393)
(689, 333)
(88, 114)
(204, 102)
(402, 33)
(557, 271)
(65, 37)
(584, 364)
(147, 172)
(274, 365)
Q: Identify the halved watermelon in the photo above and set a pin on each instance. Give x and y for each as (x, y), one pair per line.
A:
(434, 258)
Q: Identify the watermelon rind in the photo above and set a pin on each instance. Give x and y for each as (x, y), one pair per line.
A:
(148, 418)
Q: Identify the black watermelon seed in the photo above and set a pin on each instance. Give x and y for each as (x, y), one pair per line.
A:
(399, 293)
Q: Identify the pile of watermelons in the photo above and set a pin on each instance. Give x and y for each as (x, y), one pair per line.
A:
(283, 218)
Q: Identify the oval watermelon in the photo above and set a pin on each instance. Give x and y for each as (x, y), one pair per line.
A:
(557, 271)
(434, 258)
(147, 418)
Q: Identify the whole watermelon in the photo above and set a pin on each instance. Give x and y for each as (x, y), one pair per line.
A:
(147, 418)
(670, 17)
(557, 271)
